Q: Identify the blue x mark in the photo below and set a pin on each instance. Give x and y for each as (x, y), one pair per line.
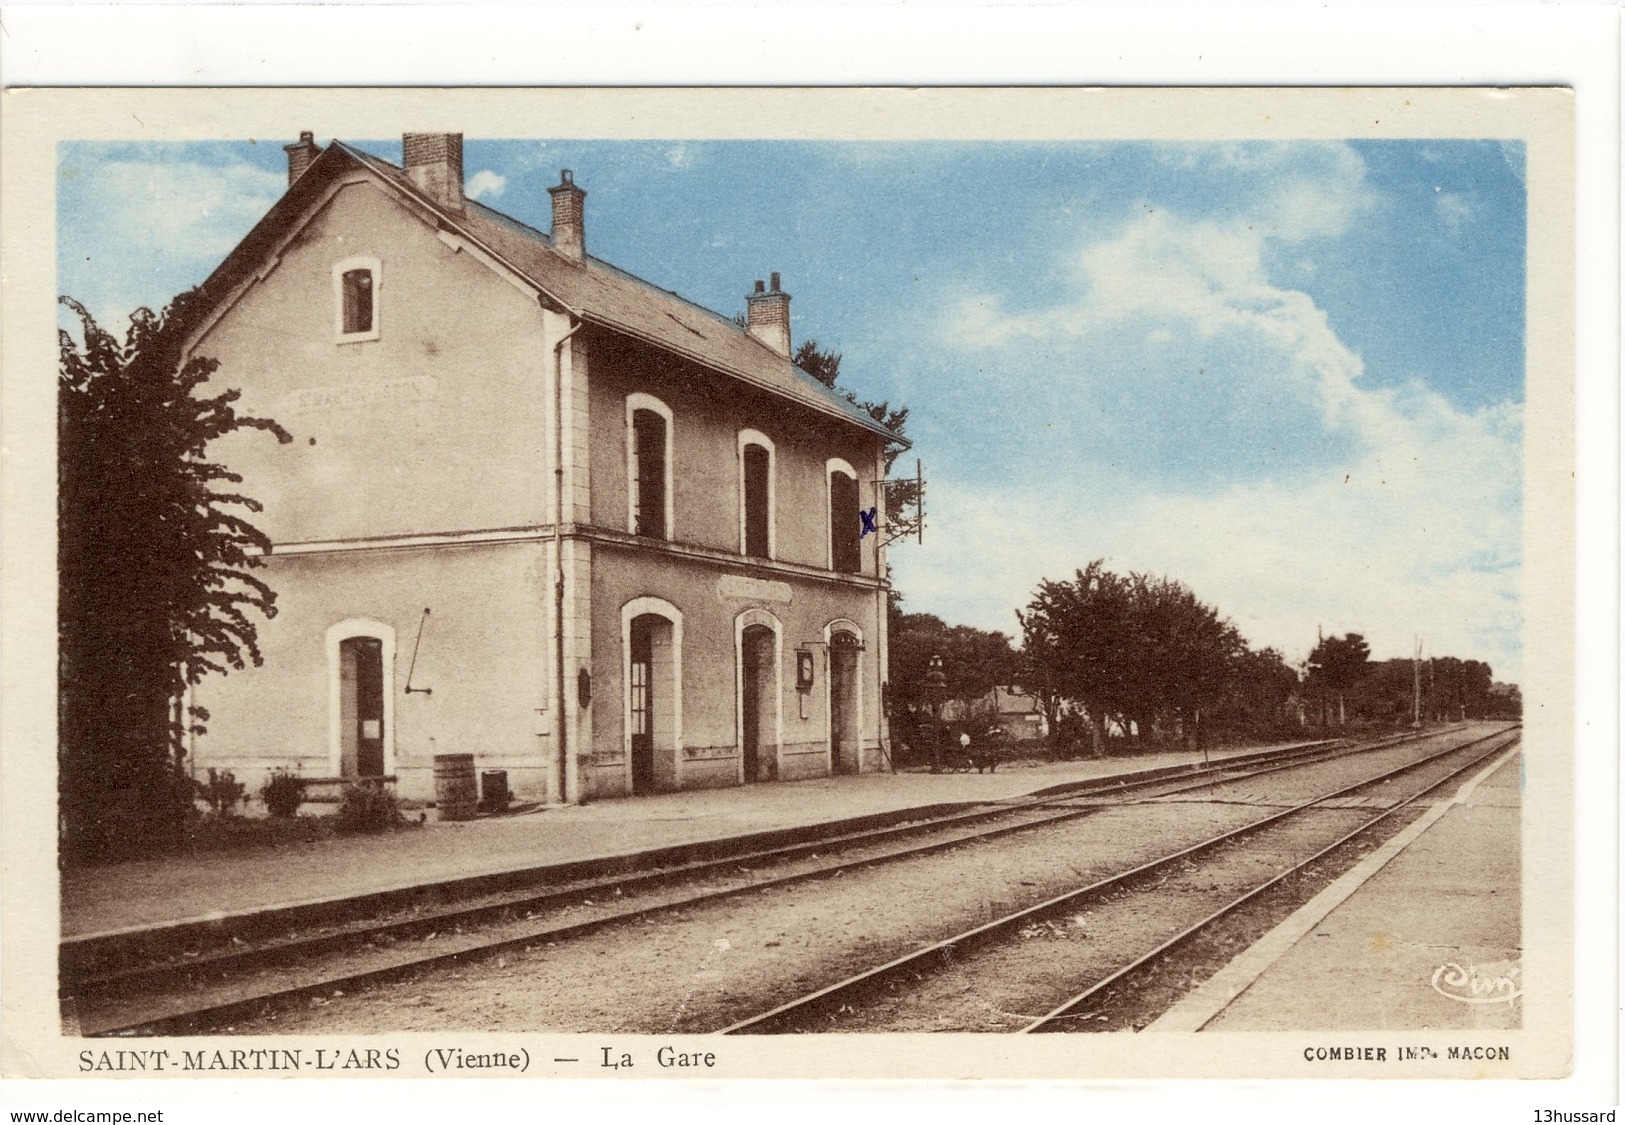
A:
(868, 523)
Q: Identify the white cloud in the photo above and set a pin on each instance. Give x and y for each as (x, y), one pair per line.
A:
(1418, 534)
(181, 210)
(136, 232)
(1455, 210)
(1201, 286)
(1512, 152)
(486, 184)
(1402, 517)
(1290, 191)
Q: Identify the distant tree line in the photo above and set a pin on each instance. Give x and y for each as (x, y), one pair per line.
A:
(1120, 660)
(1344, 685)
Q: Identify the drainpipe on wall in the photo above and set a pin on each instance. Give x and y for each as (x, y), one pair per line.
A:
(558, 554)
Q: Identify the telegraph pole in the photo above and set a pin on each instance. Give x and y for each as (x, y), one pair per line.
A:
(1416, 674)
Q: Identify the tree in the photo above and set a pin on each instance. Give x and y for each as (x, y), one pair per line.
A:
(1452, 689)
(974, 660)
(1139, 650)
(1182, 657)
(902, 496)
(1336, 665)
(1261, 688)
(1076, 635)
(154, 573)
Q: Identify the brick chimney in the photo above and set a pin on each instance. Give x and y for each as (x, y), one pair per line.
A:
(434, 162)
(767, 316)
(301, 156)
(569, 217)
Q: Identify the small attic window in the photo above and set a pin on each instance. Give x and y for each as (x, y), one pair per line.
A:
(357, 301)
(355, 285)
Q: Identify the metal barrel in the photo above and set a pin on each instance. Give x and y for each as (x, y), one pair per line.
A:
(494, 790)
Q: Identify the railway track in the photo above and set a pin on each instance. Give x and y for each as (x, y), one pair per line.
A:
(985, 979)
(181, 993)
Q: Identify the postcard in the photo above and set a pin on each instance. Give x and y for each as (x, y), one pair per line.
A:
(822, 584)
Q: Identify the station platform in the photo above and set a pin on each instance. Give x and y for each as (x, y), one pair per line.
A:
(1405, 940)
(128, 898)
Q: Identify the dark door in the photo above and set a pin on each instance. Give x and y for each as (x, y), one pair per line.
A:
(643, 707)
(756, 665)
(843, 703)
(363, 659)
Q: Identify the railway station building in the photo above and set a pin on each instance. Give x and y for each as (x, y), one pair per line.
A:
(535, 509)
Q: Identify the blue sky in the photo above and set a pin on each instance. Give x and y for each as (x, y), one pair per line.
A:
(1289, 374)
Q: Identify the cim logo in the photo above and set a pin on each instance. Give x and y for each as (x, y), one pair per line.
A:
(1499, 983)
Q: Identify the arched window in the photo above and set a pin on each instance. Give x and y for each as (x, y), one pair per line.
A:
(356, 283)
(756, 495)
(648, 467)
(844, 518)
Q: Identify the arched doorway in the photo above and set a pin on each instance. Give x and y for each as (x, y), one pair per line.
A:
(844, 733)
(361, 707)
(758, 681)
(360, 698)
(653, 695)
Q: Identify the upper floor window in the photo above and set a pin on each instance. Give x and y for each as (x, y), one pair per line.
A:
(355, 291)
(756, 498)
(648, 466)
(357, 301)
(844, 518)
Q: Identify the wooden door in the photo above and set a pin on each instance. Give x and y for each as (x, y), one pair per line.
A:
(843, 703)
(642, 716)
(362, 663)
(756, 700)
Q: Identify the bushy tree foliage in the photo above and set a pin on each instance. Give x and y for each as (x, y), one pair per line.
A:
(1260, 694)
(1336, 665)
(1451, 689)
(1137, 652)
(1183, 657)
(1077, 636)
(154, 563)
(1141, 654)
(973, 660)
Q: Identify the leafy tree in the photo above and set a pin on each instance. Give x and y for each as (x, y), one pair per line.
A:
(1076, 635)
(1504, 701)
(1336, 665)
(1452, 689)
(154, 573)
(1261, 688)
(1140, 651)
(973, 660)
(902, 496)
(1182, 655)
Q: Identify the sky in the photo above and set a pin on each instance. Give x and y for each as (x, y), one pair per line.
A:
(1290, 375)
